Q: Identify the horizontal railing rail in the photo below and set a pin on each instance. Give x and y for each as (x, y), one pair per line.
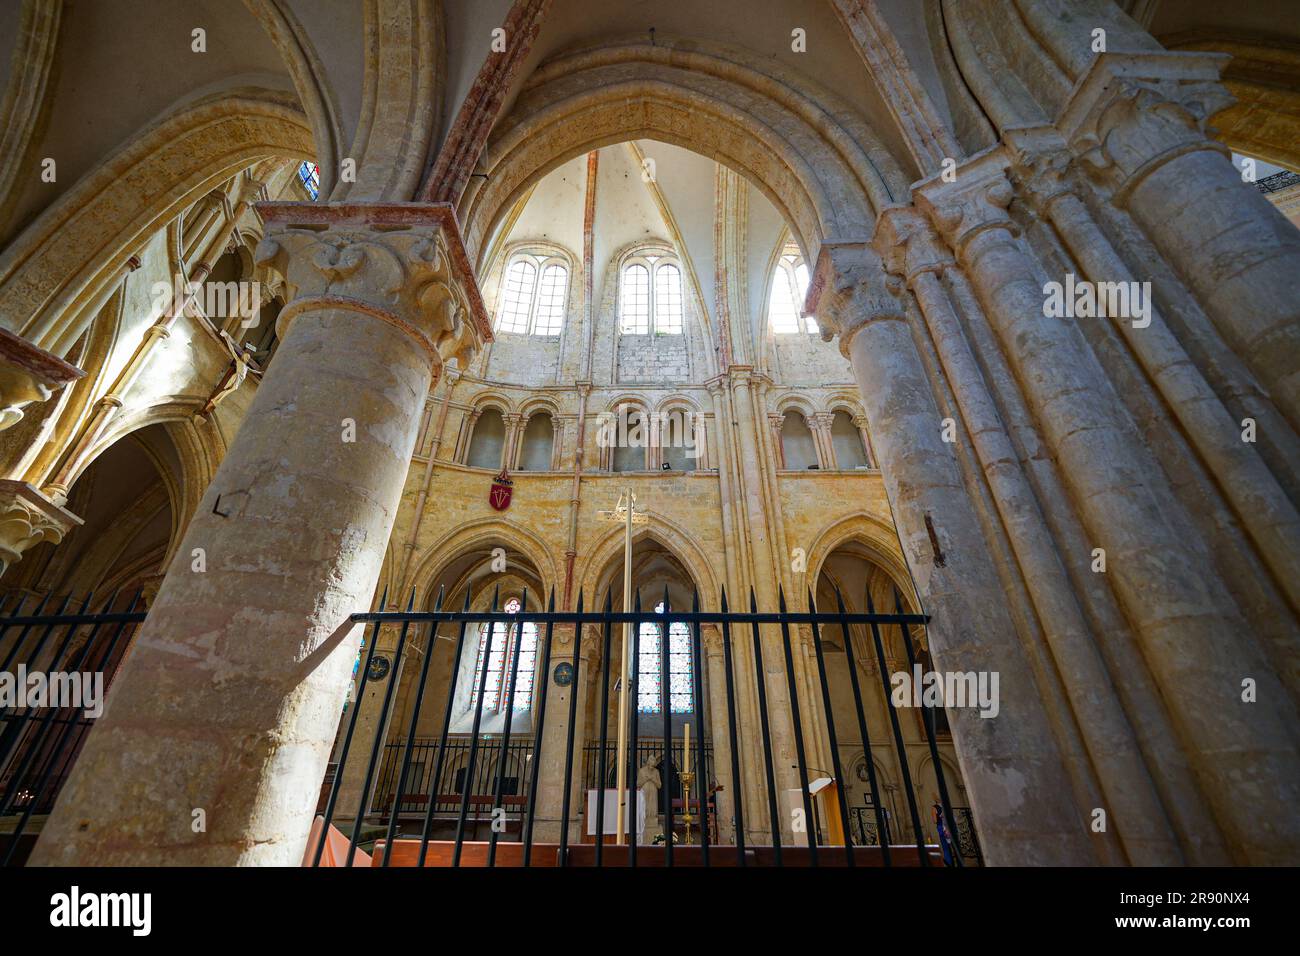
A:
(416, 799)
(40, 739)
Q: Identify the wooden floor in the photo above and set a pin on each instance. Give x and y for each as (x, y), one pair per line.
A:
(475, 854)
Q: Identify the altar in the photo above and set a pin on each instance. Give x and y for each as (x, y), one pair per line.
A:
(610, 821)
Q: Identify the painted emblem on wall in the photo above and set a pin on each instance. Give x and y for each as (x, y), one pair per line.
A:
(502, 489)
(379, 666)
(564, 674)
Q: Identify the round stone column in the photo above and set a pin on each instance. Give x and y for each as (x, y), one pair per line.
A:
(1139, 121)
(216, 734)
(1191, 632)
(971, 628)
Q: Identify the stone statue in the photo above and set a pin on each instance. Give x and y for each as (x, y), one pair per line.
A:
(647, 781)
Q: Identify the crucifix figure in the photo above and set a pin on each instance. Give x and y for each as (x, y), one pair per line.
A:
(625, 511)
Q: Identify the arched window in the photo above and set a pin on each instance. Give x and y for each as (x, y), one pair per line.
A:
(650, 666)
(668, 299)
(508, 642)
(628, 438)
(847, 441)
(789, 288)
(488, 440)
(680, 441)
(797, 443)
(650, 285)
(534, 296)
(539, 443)
(309, 179)
(634, 299)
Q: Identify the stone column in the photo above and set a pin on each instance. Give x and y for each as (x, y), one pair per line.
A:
(1192, 634)
(1256, 498)
(555, 735)
(232, 693)
(369, 700)
(776, 684)
(821, 425)
(914, 251)
(513, 440)
(971, 627)
(1139, 121)
(715, 688)
(774, 421)
(860, 423)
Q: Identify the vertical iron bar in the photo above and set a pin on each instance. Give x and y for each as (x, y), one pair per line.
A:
(30, 711)
(731, 733)
(410, 733)
(347, 739)
(504, 755)
(701, 768)
(898, 734)
(568, 752)
(485, 662)
(849, 859)
(810, 821)
(432, 802)
(540, 714)
(882, 832)
(767, 732)
(66, 733)
(927, 721)
(634, 694)
(665, 706)
(22, 635)
(377, 747)
(604, 728)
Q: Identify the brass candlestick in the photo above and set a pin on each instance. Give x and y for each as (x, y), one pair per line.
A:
(687, 778)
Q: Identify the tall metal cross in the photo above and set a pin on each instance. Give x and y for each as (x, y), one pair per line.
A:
(625, 512)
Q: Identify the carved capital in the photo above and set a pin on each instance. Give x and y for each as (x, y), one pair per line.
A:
(400, 263)
(27, 518)
(908, 243)
(1042, 165)
(28, 374)
(975, 201)
(850, 289)
(1134, 112)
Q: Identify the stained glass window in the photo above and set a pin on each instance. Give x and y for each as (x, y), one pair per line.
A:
(309, 176)
(508, 641)
(681, 676)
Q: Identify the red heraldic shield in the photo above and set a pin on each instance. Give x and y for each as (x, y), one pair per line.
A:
(502, 489)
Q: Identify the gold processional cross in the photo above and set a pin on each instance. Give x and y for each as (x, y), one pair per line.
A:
(625, 512)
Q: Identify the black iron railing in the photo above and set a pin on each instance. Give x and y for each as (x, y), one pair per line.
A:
(73, 655)
(419, 782)
(865, 830)
(425, 813)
